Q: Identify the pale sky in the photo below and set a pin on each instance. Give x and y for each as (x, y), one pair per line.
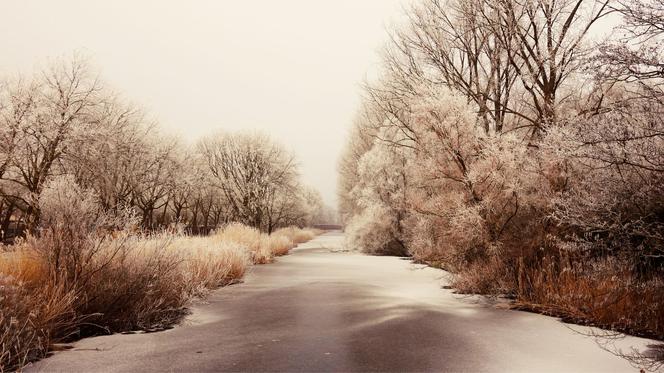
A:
(290, 68)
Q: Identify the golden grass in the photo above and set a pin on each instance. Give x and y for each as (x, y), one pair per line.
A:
(65, 285)
(250, 238)
(208, 263)
(278, 245)
(263, 247)
(23, 265)
(32, 307)
(126, 282)
(297, 235)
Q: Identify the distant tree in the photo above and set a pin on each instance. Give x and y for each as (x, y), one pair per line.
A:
(256, 176)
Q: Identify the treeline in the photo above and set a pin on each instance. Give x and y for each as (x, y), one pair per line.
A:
(105, 205)
(504, 144)
(63, 127)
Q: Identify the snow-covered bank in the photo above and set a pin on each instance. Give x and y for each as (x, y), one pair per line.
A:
(321, 309)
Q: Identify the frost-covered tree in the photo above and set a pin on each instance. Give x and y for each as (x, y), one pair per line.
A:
(637, 52)
(257, 178)
(614, 199)
(359, 142)
(44, 119)
(376, 225)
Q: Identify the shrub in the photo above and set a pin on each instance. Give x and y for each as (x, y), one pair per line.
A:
(380, 198)
(374, 231)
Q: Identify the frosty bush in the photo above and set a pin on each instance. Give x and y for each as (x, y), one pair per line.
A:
(380, 197)
(373, 231)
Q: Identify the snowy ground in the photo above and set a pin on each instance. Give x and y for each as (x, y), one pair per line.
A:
(324, 309)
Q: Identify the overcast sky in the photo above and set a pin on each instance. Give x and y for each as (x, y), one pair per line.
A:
(290, 68)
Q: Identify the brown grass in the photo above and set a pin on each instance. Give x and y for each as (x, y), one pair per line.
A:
(591, 291)
(67, 284)
(32, 307)
(27, 321)
(125, 283)
(595, 292)
(482, 277)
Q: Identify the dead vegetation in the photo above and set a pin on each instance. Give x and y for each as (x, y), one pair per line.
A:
(71, 281)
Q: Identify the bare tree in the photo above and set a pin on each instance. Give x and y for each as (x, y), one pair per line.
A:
(152, 184)
(454, 43)
(545, 43)
(47, 120)
(509, 57)
(254, 174)
(636, 54)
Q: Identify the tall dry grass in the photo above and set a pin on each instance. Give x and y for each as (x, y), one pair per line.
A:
(250, 238)
(297, 235)
(264, 247)
(33, 306)
(125, 283)
(600, 292)
(29, 318)
(204, 267)
(72, 281)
